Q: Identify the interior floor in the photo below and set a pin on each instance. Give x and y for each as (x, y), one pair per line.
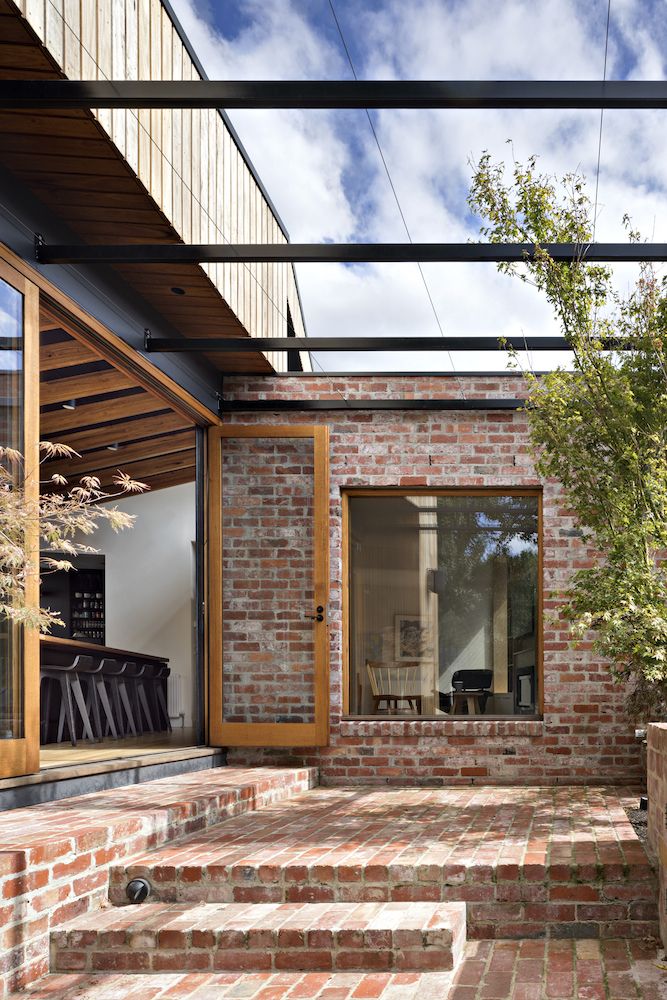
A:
(64, 754)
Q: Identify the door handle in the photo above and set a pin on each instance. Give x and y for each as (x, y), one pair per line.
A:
(319, 617)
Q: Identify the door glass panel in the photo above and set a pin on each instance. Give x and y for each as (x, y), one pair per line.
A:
(444, 605)
(267, 580)
(11, 435)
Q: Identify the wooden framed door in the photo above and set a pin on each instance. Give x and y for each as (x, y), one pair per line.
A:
(268, 579)
(19, 429)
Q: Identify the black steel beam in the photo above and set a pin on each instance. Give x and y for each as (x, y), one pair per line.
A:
(292, 405)
(342, 253)
(249, 345)
(82, 94)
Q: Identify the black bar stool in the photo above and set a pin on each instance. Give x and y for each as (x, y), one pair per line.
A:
(114, 674)
(98, 696)
(159, 674)
(71, 694)
(137, 676)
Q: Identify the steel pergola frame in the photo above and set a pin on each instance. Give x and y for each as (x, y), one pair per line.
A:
(440, 94)
(348, 253)
(292, 405)
(342, 94)
(249, 345)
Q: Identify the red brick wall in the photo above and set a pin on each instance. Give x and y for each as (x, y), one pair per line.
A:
(267, 561)
(584, 735)
(657, 811)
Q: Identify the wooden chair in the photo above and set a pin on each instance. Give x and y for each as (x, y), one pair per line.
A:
(394, 683)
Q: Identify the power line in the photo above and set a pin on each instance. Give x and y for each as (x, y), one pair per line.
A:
(391, 182)
(604, 77)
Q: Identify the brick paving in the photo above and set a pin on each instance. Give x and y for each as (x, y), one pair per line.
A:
(500, 970)
(55, 858)
(262, 936)
(529, 862)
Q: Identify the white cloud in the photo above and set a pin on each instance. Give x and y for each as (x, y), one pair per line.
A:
(325, 176)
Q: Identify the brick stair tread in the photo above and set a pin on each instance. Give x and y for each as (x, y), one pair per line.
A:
(342, 936)
(359, 829)
(233, 985)
(527, 862)
(513, 970)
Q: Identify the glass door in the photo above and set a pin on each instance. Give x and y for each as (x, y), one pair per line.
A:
(19, 430)
(268, 586)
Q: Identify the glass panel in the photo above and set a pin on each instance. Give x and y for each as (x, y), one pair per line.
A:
(267, 580)
(11, 434)
(443, 605)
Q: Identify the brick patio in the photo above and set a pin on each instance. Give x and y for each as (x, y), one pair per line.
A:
(529, 862)
(500, 970)
(55, 858)
(266, 888)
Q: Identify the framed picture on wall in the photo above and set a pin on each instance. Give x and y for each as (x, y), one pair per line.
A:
(411, 640)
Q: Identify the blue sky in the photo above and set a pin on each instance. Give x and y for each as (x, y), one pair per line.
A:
(325, 176)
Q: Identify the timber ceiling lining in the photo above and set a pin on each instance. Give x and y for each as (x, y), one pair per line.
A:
(114, 425)
(71, 165)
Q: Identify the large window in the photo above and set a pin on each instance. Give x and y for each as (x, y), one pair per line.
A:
(444, 604)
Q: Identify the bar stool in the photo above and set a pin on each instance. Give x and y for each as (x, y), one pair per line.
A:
(97, 696)
(157, 680)
(137, 676)
(114, 674)
(67, 677)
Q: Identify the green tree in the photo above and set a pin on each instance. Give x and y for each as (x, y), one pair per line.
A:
(600, 429)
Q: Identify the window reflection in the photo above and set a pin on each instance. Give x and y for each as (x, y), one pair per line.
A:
(11, 435)
(443, 605)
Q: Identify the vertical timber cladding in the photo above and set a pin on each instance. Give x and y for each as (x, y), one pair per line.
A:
(268, 567)
(168, 149)
(584, 735)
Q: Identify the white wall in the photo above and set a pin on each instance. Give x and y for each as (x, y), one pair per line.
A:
(150, 581)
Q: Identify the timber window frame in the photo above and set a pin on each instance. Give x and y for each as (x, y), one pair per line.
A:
(348, 493)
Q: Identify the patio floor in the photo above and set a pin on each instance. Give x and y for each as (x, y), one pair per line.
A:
(528, 862)
(559, 893)
(491, 970)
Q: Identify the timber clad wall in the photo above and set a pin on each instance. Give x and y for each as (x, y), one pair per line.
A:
(584, 736)
(188, 161)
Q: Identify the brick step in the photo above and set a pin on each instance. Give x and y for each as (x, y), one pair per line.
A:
(159, 937)
(513, 970)
(505, 901)
(527, 862)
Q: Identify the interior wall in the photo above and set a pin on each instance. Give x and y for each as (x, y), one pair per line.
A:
(150, 583)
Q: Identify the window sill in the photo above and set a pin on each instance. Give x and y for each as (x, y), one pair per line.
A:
(439, 727)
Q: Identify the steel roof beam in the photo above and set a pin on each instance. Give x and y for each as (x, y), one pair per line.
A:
(292, 405)
(249, 345)
(83, 94)
(342, 253)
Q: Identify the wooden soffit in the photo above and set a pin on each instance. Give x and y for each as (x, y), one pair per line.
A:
(69, 163)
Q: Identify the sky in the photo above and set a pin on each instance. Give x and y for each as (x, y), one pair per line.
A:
(326, 178)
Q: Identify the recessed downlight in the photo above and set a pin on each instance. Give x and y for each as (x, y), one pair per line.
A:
(70, 404)
(113, 447)
(177, 291)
